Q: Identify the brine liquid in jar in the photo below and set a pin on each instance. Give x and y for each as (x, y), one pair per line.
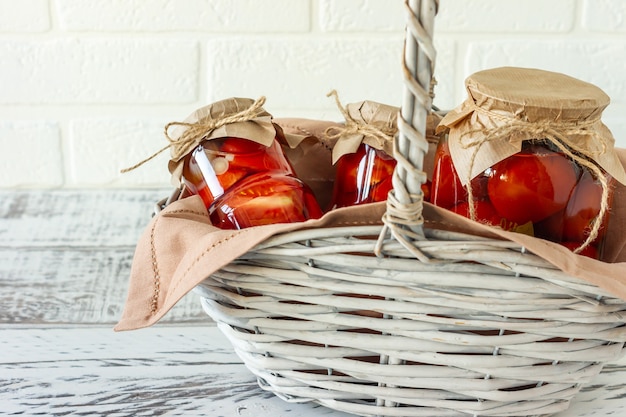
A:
(264, 198)
(362, 177)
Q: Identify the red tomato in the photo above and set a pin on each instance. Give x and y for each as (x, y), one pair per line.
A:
(239, 145)
(583, 208)
(362, 177)
(575, 221)
(447, 190)
(484, 212)
(264, 199)
(253, 156)
(531, 185)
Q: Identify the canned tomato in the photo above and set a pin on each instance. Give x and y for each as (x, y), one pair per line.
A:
(228, 153)
(363, 177)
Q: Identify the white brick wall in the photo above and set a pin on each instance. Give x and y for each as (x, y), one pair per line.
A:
(86, 86)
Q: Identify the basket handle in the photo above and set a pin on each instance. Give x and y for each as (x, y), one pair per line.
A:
(403, 217)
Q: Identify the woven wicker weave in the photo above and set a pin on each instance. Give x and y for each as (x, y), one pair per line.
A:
(438, 324)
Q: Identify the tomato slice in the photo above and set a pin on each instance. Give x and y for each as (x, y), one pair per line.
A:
(381, 169)
(531, 185)
(279, 208)
(264, 199)
(254, 157)
(231, 176)
(380, 191)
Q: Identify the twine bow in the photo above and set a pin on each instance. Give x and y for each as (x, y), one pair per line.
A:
(375, 136)
(557, 133)
(196, 132)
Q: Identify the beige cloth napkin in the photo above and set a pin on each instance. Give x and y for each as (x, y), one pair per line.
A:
(179, 249)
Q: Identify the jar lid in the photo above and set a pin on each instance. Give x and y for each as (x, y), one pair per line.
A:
(369, 122)
(534, 94)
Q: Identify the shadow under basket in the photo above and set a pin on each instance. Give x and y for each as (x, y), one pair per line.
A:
(484, 329)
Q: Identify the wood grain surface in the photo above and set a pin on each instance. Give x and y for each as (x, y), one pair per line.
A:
(65, 257)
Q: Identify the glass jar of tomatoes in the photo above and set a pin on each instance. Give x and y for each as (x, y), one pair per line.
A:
(228, 153)
(244, 183)
(363, 153)
(527, 152)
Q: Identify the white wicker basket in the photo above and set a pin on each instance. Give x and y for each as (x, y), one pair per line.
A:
(418, 322)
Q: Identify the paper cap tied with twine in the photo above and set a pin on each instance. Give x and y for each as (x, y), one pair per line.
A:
(234, 117)
(368, 122)
(508, 105)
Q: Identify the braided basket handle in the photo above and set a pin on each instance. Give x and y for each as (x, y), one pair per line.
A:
(403, 217)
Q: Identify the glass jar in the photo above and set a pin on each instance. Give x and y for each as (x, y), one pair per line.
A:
(363, 153)
(243, 183)
(528, 152)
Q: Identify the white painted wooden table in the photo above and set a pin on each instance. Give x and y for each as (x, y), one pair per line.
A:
(65, 257)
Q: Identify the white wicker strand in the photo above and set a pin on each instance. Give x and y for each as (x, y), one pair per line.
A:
(561, 390)
(475, 282)
(523, 264)
(526, 345)
(413, 326)
(417, 66)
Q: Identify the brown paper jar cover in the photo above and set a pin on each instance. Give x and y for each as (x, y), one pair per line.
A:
(233, 117)
(508, 105)
(369, 122)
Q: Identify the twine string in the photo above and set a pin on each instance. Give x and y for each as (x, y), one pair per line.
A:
(196, 132)
(395, 217)
(559, 134)
(381, 135)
